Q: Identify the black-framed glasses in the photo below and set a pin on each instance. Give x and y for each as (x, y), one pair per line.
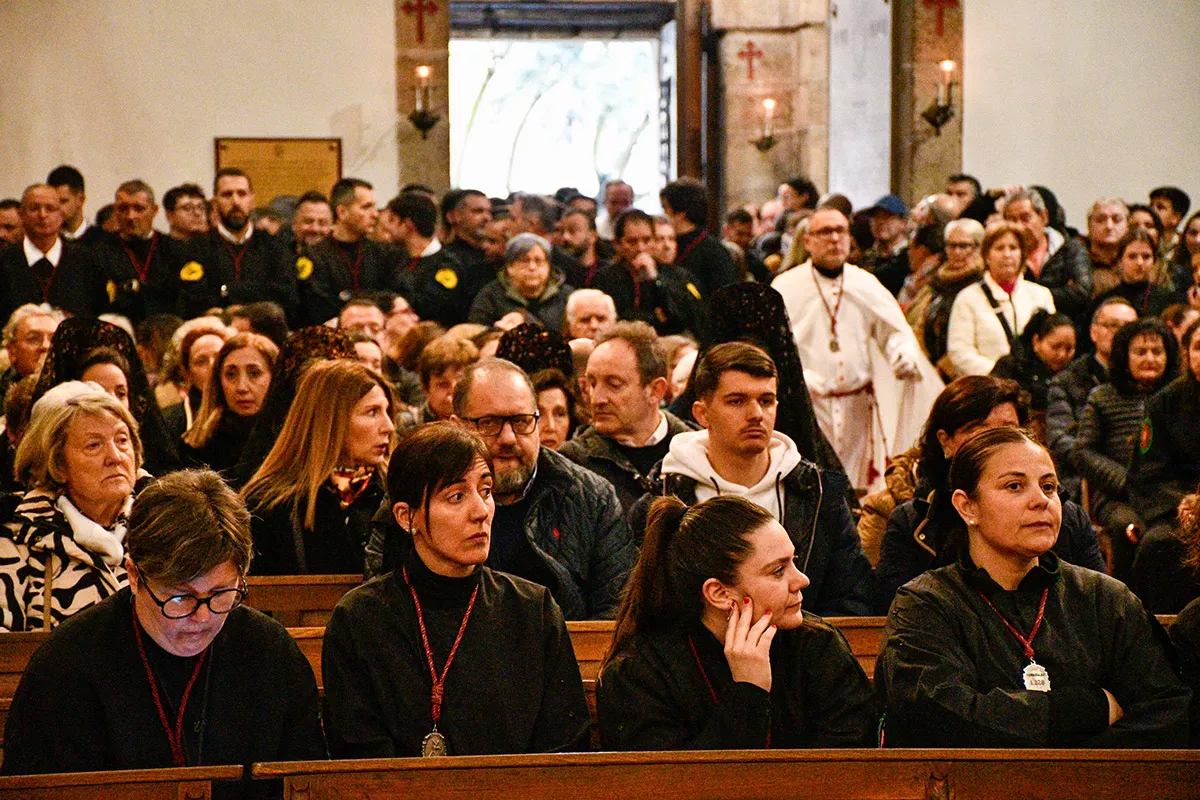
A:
(181, 606)
(522, 424)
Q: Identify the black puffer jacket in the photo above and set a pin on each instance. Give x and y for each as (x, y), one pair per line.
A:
(818, 520)
(574, 526)
(1068, 276)
(1108, 431)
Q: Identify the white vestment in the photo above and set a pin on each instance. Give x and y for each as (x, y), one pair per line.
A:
(867, 414)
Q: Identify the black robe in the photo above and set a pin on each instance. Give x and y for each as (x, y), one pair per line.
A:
(653, 695)
(228, 274)
(513, 687)
(441, 288)
(77, 287)
(703, 255)
(142, 274)
(665, 303)
(333, 272)
(84, 702)
(951, 671)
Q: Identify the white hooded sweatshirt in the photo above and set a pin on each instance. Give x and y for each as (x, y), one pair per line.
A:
(688, 456)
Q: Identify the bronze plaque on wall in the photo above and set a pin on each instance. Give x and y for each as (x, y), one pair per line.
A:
(283, 166)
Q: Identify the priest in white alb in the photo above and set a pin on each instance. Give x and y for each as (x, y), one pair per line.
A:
(871, 385)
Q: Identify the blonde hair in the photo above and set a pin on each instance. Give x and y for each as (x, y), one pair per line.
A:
(313, 437)
(40, 461)
(214, 405)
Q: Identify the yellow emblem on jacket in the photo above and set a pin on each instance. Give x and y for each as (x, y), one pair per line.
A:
(192, 271)
(111, 288)
(447, 278)
(691, 287)
(304, 268)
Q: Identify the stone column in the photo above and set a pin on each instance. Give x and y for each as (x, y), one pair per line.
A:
(423, 38)
(777, 50)
(926, 32)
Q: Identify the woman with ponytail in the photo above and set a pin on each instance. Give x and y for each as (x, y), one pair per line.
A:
(712, 650)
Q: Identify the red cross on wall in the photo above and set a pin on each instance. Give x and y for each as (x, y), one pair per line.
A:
(941, 6)
(748, 55)
(420, 7)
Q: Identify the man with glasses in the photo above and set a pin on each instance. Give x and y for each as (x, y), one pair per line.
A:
(173, 670)
(871, 385)
(556, 523)
(186, 211)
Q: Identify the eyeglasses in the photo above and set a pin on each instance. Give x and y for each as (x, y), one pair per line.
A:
(961, 245)
(522, 424)
(181, 606)
(835, 233)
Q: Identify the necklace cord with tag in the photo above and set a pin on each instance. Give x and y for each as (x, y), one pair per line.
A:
(174, 736)
(439, 681)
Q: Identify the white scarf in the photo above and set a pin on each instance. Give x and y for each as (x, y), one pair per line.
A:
(94, 537)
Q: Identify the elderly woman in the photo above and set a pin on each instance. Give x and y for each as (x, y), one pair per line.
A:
(988, 317)
(1012, 647)
(930, 312)
(527, 285)
(237, 387)
(64, 545)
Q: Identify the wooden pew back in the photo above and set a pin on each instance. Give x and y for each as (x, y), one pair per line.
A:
(191, 783)
(299, 601)
(830, 774)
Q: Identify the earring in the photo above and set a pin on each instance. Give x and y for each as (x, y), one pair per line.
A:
(972, 523)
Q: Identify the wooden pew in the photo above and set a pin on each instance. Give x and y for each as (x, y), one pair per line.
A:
(191, 783)
(299, 601)
(829, 774)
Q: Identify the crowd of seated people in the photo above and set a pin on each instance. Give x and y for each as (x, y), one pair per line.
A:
(511, 413)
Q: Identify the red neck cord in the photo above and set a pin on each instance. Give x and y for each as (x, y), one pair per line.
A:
(1026, 641)
(174, 737)
(439, 681)
(142, 269)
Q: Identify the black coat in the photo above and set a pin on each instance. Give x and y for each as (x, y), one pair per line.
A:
(77, 287)
(335, 545)
(441, 288)
(327, 278)
(1166, 461)
(143, 274)
(1031, 373)
(1068, 276)
(665, 303)
(706, 260)
(916, 541)
(818, 520)
(654, 694)
(84, 703)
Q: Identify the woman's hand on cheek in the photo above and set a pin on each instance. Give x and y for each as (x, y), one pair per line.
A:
(748, 646)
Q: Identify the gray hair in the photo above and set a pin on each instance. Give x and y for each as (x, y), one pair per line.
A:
(1032, 195)
(25, 312)
(1107, 201)
(584, 294)
(519, 246)
(40, 462)
(968, 226)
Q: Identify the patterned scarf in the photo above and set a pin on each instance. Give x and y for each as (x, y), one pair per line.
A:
(349, 483)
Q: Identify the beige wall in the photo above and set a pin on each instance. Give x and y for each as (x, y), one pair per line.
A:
(139, 88)
(1086, 98)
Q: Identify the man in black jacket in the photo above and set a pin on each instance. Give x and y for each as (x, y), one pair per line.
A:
(141, 264)
(235, 264)
(740, 453)
(45, 268)
(629, 434)
(685, 202)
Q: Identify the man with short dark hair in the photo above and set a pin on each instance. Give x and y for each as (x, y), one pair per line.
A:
(740, 453)
(348, 262)
(68, 183)
(439, 286)
(311, 222)
(964, 189)
(556, 523)
(11, 231)
(627, 381)
(1172, 205)
(465, 217)
(187, 212)
(231, 265)
(576, 234)
(141, 265)
(685, 202)
(45, 268)
(662, 295)
(190, 675)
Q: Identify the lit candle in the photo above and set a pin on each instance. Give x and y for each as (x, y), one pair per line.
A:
(947, 76)
(768, 116)
(423, 73)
